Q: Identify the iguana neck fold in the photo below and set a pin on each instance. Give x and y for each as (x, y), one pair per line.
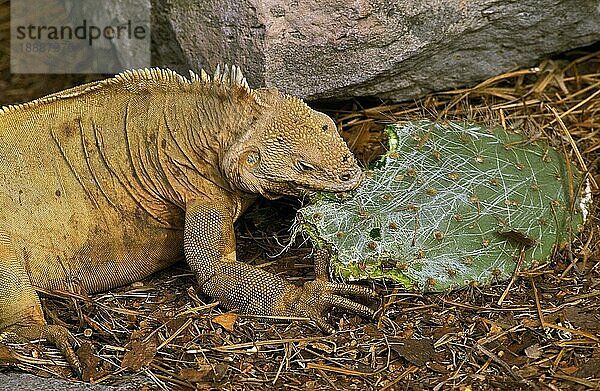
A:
(201, 135)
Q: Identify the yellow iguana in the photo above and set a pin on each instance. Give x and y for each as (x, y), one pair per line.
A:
(106, 183)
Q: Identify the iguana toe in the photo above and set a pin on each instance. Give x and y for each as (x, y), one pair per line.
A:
(316, 297)
(55, 334)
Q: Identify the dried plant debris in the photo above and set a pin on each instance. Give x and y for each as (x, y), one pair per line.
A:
(451, 204)
(477, 338)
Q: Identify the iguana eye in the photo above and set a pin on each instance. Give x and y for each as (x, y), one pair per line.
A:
(303, 166)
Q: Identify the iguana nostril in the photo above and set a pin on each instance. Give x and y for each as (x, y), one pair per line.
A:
(345, 177)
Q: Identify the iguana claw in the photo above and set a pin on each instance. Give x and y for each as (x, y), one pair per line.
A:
(315, 297)
(318, 296)
(55, 334)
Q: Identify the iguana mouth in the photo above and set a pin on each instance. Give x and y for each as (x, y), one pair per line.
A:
(297, 188)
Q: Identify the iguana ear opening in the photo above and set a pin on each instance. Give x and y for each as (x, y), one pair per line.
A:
(240, 167)
(250, 178)
(248, 162)
(251, 158)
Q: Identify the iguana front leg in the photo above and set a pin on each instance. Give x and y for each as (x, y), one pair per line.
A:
(209, 245)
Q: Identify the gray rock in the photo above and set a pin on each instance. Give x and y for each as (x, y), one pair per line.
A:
(13, 381)
(18, 381)
(392, 49)
(201, 34)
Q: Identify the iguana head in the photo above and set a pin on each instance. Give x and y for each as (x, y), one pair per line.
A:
(293, 149)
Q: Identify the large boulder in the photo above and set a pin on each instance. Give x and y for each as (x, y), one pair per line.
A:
(393, 49)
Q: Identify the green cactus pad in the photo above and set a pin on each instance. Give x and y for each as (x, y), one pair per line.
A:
(449, 204)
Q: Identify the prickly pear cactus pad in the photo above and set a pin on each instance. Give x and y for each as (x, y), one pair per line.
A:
(447, 205)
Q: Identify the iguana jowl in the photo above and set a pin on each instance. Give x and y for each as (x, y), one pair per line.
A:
(106, 183)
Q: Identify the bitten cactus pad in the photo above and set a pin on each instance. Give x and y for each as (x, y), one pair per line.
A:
(449, 204)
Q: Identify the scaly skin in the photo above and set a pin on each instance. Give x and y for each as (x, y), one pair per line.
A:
(103, 184)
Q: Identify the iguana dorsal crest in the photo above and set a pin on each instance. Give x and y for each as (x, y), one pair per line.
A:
(226, 76)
